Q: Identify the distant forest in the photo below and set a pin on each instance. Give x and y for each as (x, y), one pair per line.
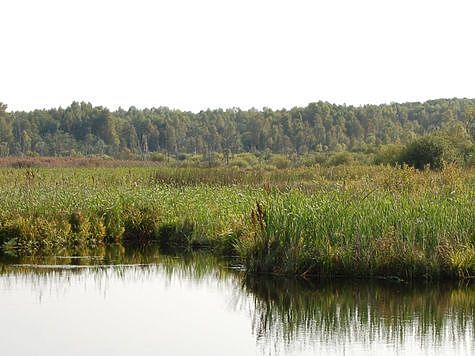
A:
(82, 129)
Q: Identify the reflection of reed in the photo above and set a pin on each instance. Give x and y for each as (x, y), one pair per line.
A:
(102, 266)
(337, 312)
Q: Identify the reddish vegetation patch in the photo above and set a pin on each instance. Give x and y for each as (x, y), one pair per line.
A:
(33, 162)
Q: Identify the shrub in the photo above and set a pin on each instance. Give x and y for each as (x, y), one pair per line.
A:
(238, 162)
(158, 157)
(181, 156)
(389, 154)
(280, 161)
(321, 158)
(341, 158)
(250, 158)
(431, 151)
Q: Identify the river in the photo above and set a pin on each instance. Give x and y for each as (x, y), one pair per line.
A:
(148, 302)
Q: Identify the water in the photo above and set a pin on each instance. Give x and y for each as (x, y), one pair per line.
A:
(150, 303)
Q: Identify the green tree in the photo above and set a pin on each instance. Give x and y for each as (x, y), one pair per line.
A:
(104, 127)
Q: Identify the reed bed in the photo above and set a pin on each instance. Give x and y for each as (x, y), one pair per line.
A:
(348, 220)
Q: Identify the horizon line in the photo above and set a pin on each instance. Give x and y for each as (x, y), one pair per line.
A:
(227, 108)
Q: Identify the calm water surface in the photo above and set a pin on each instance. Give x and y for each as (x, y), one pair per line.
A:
(150, 303)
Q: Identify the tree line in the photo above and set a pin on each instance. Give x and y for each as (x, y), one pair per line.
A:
(84, 129)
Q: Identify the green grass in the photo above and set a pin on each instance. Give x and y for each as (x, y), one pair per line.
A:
(350, 220)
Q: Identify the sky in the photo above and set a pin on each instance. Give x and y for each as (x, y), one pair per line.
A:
(199, 54)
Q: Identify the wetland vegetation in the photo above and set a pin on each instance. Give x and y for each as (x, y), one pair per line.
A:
(353, 220)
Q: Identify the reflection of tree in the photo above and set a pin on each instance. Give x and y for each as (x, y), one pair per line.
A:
(338, 312)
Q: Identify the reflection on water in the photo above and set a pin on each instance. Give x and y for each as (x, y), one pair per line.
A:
(336, 314)
(144, 302)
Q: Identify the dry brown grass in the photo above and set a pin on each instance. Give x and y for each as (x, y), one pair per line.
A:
(60, 162)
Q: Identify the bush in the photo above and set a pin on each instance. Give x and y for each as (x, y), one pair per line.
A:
(250, 158)
(158, 157)
(181, 156)
(341, 158)
(389, 154)
(307, 160)
(429, 151)
(321, 158)
(280, 161)
(238, 162)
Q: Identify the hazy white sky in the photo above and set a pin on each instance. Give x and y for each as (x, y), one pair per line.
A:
(195, 54)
